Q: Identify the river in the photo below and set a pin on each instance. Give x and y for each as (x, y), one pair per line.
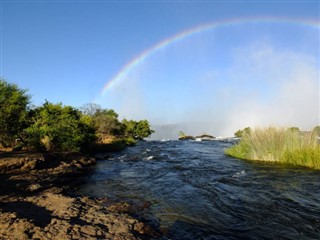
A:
(195, 191)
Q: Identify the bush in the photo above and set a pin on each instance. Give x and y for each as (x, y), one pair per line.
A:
(137, 130)
(106, 123)
(279, 145)
(240, 133)
(59, 128)
(13, 113)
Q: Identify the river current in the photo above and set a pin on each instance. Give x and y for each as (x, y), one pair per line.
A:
(195, 191)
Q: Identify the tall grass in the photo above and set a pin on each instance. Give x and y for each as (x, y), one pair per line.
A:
(279, 145)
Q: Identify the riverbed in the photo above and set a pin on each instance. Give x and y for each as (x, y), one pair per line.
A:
(195, 191)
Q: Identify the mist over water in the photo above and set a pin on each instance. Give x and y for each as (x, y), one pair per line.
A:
(226, 79)
(171, 131)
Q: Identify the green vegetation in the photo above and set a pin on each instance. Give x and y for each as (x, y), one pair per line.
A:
(183, 136)
(13, 112)
(316, 131)
(293, 129)
(55, 127)
(106, 122)
(136, 130)
(279, 145)
(240, 133)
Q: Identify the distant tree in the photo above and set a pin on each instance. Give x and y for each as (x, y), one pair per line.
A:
(106, 122)
(137, 130)
(143, 129)
(181, 134)
(90, 109)
(109, 112)
(316, 131)
(240, 133)
(294, 129)
(56, 127)
(13, 112)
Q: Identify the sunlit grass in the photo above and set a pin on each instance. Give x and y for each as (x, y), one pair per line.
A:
(279, 145)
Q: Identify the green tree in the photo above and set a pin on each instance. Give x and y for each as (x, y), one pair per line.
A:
(294, 129)
(59, 128)
(240, 133)
(137, 130)
(316, 131)
(106, 122)
(181, 134)
(143, 129)
(90, 109)
(13, 112)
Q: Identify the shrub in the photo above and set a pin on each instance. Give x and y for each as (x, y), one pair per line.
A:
(137, 130)
(106, 123)
(59, 128)
(240, 133)
(13, 112)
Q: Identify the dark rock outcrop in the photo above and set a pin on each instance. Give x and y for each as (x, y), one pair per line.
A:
(186, 137)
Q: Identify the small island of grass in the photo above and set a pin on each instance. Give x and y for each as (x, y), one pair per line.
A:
(183, 136)
(289, 146)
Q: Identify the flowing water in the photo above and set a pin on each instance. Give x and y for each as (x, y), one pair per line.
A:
(197, 192)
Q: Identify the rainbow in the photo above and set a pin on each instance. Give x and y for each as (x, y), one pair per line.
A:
(125, 70)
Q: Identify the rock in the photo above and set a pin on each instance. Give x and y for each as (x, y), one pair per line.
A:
(34, 203)
(186, 137)
(34, 187)
(205, 137)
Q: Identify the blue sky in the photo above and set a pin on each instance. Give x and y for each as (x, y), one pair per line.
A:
(66, 51)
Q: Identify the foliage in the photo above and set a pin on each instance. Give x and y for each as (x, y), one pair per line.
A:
(240, 133)
(279, 145)
(129, 141)
(54, 127)
(316, 131)
(13, 112)
(106, 122)
(293, 129)
(90, 109)
(111, 131)
(59, 128)
(114, 146)
(137, 130)
(181, 134)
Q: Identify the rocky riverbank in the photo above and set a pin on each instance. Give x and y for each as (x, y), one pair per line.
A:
(36, 201)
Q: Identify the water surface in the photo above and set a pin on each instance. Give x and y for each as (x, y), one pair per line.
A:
(197, 192)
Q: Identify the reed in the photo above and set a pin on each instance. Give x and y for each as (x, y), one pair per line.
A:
(279, 145)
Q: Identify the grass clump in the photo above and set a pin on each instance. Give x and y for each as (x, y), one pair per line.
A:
(279, 145)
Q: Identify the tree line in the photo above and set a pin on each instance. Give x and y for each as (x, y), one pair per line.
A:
(56, 127)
